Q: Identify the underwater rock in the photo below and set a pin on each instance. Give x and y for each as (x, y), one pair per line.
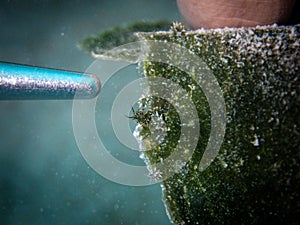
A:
(255, 179)
(108, 39)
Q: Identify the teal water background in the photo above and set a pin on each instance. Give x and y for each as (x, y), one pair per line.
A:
(43, 177)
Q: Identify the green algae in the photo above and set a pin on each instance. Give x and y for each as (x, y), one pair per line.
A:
(117, 36)
(255, 177)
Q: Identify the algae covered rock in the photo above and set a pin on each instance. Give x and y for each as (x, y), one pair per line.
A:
(117, 36)
(255, 177)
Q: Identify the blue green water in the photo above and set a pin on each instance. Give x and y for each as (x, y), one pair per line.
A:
(43, 177)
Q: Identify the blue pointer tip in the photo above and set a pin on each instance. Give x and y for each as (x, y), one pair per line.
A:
(19, 82)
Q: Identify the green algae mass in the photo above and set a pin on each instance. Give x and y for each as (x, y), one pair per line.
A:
(117, 36)
(255, 179)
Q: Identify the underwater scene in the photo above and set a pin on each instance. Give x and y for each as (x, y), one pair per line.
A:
(150, 112)
(43, 177)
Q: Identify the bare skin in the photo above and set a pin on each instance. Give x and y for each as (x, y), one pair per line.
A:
(234, 13)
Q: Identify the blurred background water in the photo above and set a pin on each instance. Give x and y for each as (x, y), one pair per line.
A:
(43, 177)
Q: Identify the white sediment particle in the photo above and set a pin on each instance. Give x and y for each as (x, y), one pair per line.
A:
(241, 162)
(224, 164)
(256, 141)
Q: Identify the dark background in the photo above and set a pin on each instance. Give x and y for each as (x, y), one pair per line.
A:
(43, 177)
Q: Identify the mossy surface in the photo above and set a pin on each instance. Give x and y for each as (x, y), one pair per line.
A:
(255, 177)
(117, 36)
